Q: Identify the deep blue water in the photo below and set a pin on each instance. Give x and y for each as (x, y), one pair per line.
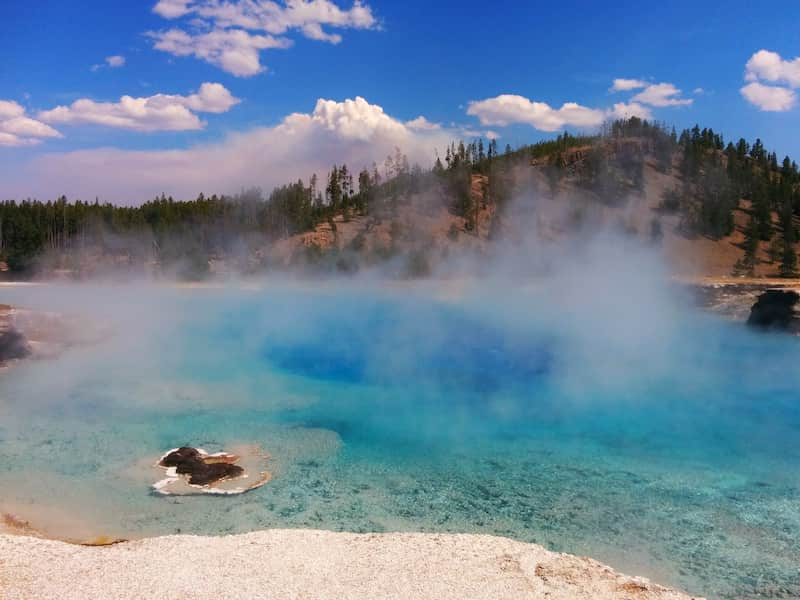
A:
(664, 442)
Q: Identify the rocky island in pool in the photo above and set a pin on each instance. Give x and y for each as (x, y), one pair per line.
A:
(193, 470)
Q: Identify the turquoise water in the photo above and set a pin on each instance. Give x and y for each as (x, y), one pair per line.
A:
(659, 440)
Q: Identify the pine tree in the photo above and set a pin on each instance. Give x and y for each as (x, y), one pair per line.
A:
(757, 151)
(775, 250)
(742, 149)
(750, 247)
(760, 209)
(365, 191)
(333, 191)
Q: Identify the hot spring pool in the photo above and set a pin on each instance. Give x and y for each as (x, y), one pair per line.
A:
(663, 442)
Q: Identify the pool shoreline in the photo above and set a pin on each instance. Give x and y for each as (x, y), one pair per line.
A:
(310, 564)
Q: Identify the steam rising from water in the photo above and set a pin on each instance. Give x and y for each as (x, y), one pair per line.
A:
(566, 395)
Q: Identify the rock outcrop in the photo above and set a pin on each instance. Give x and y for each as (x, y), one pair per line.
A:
(193, 470)
(202, 469)
(13, 345)
(775, 310)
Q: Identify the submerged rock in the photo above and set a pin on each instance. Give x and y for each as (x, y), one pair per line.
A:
(190, 470)
(13, 345)
(775, 310)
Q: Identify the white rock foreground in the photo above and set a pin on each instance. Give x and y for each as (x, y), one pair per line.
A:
(310, 565)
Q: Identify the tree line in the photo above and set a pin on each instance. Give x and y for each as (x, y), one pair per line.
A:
(165, 230)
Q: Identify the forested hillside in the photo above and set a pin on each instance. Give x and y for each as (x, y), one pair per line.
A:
(730, 206)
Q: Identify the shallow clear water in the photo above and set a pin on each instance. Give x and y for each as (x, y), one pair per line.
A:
(666, 444)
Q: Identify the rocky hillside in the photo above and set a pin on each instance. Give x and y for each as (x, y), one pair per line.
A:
(423, 230)
(410, 235)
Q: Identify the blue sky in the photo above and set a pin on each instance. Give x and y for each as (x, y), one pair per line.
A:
(468, 67)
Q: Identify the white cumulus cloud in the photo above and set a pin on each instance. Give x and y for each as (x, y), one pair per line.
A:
(423, 124)
(352, 131)
(112, 62)
(661, 94)
(171, 9)
(10, 109)
(652, 94)
(770, 67)
(507, 109)
(626, 85)
(240, 29)
(770, 98)
(233, 50)
(17, 129)
(355, 119)
(161, 112)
